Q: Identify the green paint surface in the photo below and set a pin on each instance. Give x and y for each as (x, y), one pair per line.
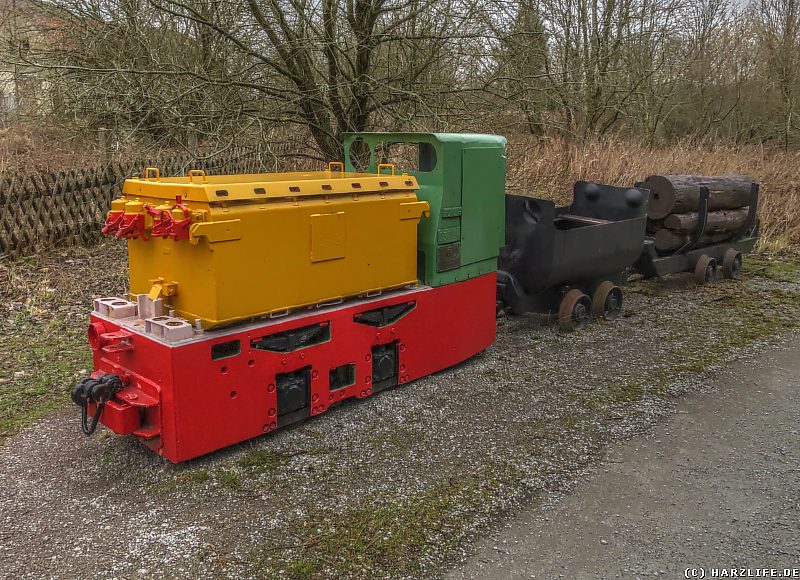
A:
(465, 188)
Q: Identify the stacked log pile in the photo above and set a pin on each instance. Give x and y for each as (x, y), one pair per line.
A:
(675, 200)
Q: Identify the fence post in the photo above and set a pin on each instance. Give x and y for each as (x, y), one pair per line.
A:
(103, 143)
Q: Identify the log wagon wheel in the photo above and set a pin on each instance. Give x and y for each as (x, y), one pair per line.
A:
(575, 311)
(705, 270)
(732, 264)
(607, 301)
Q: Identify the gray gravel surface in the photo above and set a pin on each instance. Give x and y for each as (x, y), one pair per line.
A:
(397, 485)
(715, 486)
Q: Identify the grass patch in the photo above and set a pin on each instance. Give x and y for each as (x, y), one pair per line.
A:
(44, 308)
(181, 479)
(385, 535)
(302, 569)
(780, 270)
(394, 537)
(740, 315)
(263, 460)
(229, 479)
(41, 361)
(193, 476)
(260, 461)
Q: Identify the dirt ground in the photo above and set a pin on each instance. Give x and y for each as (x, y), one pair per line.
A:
(717, 485)
(399, 485)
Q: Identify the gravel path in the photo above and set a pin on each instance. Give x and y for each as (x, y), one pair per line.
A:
(397, 485)
(718, 485)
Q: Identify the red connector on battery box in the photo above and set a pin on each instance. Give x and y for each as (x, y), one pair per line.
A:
(113, 222)
(166, 226)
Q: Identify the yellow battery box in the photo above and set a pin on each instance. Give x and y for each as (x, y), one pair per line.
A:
(223, 248)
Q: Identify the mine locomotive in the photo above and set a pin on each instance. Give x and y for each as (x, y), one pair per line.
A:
(257, 301)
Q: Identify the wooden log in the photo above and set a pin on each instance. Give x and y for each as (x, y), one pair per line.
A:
(668, 241)
(681, 193)
(730, 220)
(654, 225)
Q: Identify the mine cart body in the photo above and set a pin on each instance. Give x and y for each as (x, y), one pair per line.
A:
(685, 259)
(550, 250)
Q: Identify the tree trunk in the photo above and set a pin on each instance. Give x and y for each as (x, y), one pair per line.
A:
(668, 241)
(681, 193)
(718, 221)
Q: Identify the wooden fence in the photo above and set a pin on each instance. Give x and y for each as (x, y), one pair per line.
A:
(42, 210)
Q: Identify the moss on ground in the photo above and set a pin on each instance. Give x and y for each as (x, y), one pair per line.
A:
(41, 363)
(260, 461)
(395, 536)
(43, 353)
(779, 269)
(192, 476)
(229, 479)
(386, 535)
(44, 310)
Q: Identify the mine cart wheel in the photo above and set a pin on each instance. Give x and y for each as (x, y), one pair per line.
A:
(575, 311)
(732, 264)
(705, 270)
(501, 309)
(607, 301)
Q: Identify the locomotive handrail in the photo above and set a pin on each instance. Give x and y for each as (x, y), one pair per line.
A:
(196, 173)
(389, 165)
(154, 170)
(338, 164)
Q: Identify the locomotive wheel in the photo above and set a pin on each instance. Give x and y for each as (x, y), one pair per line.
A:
(575, 311)
(607, 301)
(732, 264)
(705, 270)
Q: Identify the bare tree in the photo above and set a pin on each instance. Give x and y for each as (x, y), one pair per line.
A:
(778, 27)
(296, 74)
(324, 66)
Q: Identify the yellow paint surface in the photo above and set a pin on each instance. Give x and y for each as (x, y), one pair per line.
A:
(266, 243)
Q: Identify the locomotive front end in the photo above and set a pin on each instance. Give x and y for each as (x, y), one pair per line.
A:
(257, 301)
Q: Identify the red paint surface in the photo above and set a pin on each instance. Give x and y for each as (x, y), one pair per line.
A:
(190, 405)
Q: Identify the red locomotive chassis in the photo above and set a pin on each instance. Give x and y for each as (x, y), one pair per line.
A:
(225, 386)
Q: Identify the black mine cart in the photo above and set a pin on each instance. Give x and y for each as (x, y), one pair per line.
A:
(571, 259)
(703, 261)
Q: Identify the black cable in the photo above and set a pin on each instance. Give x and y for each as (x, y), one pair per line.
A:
(97, 392)
(89, 429)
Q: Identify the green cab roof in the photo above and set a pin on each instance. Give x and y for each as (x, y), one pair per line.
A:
(472, 138)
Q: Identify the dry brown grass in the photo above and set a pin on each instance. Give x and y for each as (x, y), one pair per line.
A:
(549, 170)
(544, 170)
(32, 148)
